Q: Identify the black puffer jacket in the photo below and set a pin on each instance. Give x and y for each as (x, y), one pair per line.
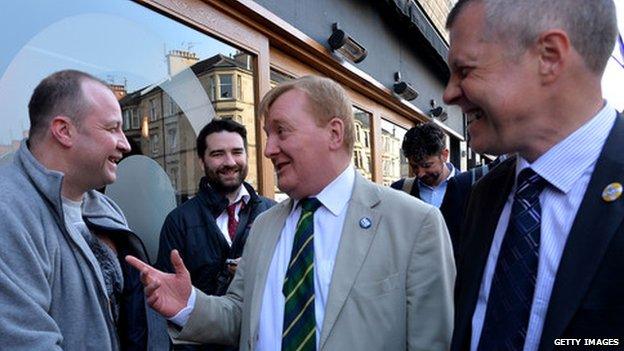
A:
(191, 228)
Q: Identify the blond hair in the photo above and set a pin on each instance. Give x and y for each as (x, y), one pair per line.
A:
(327, 99)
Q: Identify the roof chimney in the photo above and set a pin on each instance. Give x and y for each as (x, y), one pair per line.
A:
(179, 60)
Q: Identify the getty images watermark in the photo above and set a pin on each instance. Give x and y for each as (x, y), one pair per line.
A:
(587, 342)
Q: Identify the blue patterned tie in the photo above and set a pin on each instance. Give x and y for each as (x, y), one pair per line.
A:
(299, 320)
(511, 294)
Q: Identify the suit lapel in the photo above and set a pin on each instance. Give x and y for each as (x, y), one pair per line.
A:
(355, 242)
(593, 228)
(485, 207)
(270, 235)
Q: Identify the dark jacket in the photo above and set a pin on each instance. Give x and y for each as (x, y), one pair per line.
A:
(453, 205)
(191, 228)
(586, 299)
(132, 326)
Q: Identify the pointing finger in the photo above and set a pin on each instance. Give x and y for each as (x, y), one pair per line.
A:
(138, 264)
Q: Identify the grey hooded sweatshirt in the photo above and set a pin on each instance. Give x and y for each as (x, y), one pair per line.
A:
(52, 292)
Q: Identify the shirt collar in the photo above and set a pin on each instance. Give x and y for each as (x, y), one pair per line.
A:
(451, 171)
(243, 194)
(565, 162)
(336, 194)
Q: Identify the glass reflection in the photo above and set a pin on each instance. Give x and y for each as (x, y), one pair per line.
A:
(170, 79)
(394, 164)
(362, 145)
(165, 130)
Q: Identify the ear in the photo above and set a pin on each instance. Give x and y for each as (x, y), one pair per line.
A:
(201, 164)
(444, 154)
(336, 133)
(554, 52)
(63, 130)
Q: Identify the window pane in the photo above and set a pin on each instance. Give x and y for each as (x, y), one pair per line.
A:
(239, 87)
(225, 86)
(394, 164)
(165, 95)
(361, 148)
(278, 77)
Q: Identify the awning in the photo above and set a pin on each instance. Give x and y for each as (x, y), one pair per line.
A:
(413, 17)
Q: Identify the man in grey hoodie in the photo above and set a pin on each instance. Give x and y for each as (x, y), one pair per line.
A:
(62, 285)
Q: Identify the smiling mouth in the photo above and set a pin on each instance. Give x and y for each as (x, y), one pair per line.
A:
(279, 166)
(114, 160)
(474, 115)
(229, 172)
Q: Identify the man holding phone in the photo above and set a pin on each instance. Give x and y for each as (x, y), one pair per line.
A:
(210, 230)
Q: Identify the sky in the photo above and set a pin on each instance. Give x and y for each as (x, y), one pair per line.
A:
(613, 79)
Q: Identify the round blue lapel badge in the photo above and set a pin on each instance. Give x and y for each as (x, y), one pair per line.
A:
(365, 223)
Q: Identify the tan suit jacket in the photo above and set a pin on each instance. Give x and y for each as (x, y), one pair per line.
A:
(391, 288)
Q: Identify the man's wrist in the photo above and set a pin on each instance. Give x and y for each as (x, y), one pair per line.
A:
(182, 317)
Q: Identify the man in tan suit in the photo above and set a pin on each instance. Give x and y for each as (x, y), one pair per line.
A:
(344, 264)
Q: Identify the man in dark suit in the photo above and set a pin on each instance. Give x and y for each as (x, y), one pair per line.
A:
(543, 236)
(436, 181)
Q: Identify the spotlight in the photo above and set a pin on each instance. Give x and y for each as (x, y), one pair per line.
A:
(439, 113)
(436, 111)
(403, 89)
(346, 46)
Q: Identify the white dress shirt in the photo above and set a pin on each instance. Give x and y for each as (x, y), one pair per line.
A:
(434, 195)
(567, 167)
(328, 222)
(182, 317)
(222, 221)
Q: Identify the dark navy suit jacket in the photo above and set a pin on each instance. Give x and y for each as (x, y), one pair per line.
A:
(587, 300)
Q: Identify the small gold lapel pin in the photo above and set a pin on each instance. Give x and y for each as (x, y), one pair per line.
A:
(612, 192)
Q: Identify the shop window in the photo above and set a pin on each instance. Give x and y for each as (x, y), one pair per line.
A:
(395, 165)
(278, 77)
(361, 148)
(164, 103)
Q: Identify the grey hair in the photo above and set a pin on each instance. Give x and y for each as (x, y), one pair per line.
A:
(590, 24)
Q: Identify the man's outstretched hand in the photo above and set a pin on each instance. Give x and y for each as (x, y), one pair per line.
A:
(166, 293)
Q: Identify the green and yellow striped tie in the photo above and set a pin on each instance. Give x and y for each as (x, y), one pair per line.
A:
(299, 321)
